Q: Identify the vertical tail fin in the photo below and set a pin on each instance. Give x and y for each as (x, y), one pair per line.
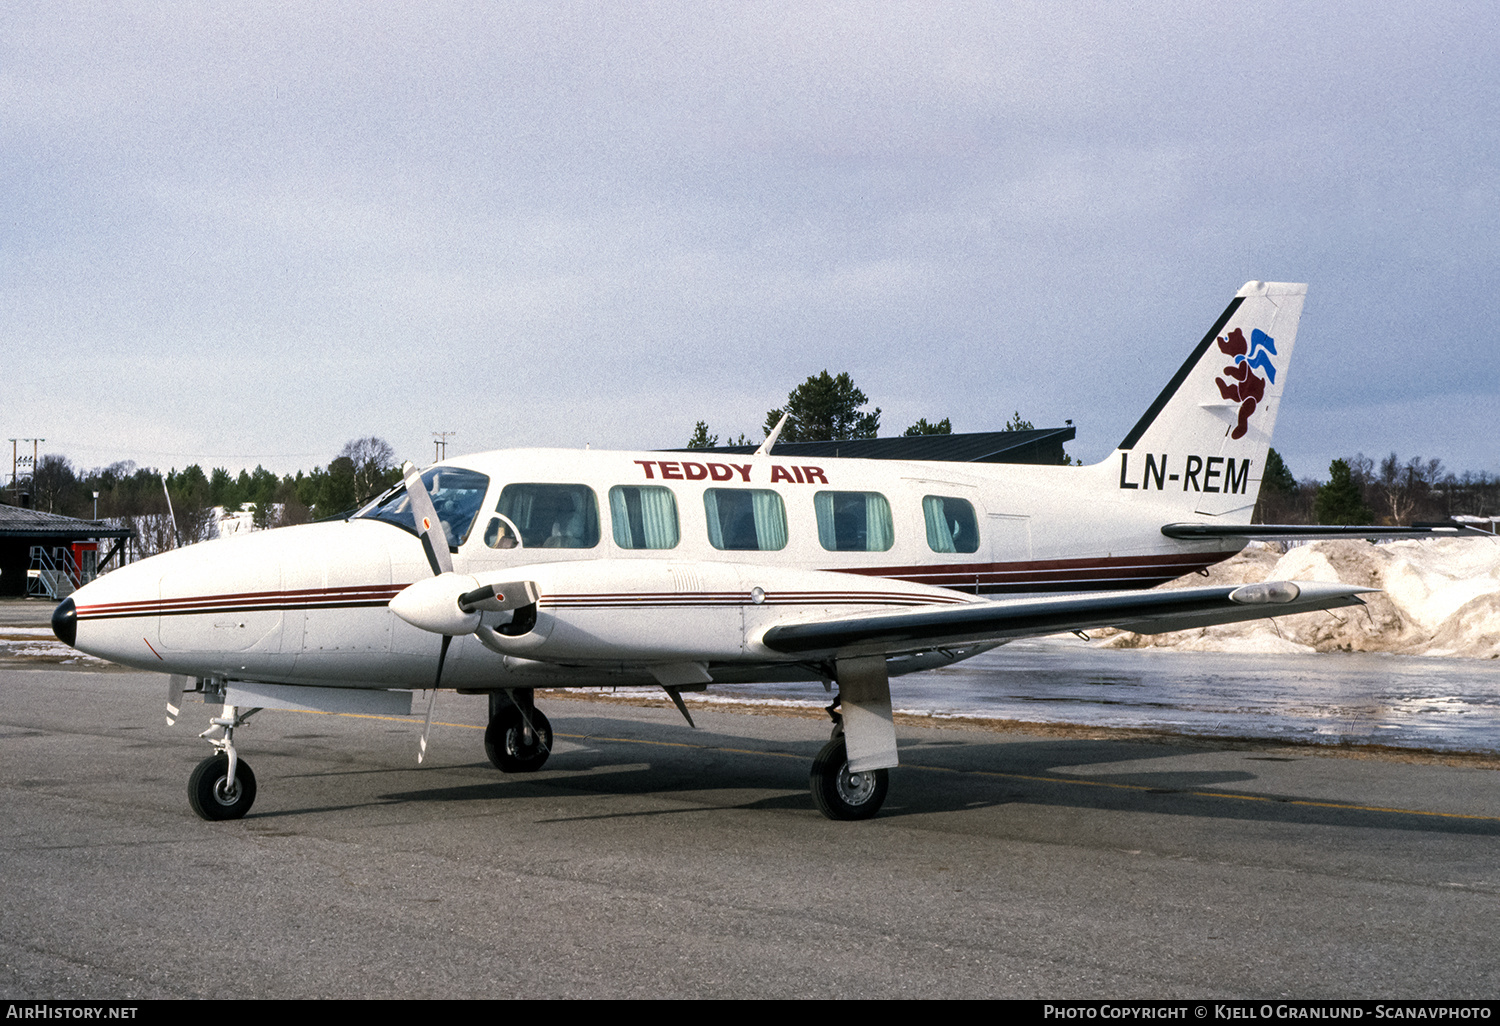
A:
(1204, 439)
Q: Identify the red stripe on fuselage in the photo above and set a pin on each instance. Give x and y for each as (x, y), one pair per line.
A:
(352, 596)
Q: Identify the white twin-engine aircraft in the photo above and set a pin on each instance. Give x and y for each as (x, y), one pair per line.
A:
(502, 572)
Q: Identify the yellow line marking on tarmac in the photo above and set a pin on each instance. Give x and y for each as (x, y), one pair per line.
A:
(1079, 781)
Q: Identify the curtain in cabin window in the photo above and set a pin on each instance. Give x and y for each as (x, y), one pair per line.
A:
(939, 534)
(880, 535)
(659, 518)
(770, 520)
(715, 526)
(823, 508)
(619, 519)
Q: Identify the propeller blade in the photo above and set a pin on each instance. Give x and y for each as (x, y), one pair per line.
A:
(429, 527)
(176, 684)
(442, 658)
(436, 683)
(427, 727)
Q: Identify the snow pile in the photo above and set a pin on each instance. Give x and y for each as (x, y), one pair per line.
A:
(1440, 597)
(233, 522)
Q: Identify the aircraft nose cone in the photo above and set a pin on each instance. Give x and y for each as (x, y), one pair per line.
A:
(65, 622)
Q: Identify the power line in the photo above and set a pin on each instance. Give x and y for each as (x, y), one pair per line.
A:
(200, 455)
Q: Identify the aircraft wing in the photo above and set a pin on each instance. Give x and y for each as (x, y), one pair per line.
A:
(1311, 532)
(1144, 612)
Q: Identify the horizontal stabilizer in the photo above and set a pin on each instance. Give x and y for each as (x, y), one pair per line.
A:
(1144, 612)
(1310, 532)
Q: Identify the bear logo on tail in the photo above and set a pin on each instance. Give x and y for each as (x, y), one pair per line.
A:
(1245, 386)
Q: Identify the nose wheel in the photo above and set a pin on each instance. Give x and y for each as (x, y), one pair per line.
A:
(214, 796)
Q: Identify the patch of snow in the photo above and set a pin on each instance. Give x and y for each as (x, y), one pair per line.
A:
(1438, 597)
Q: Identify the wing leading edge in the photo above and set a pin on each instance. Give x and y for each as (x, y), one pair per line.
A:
(1144, 612)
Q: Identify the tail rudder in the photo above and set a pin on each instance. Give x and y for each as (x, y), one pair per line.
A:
(1204, 440)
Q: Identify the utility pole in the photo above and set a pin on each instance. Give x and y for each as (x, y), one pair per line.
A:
(15, 463)
(440, 444)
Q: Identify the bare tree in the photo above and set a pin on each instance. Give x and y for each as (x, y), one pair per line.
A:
(52, 479)
(373, 459)
(1405, 488)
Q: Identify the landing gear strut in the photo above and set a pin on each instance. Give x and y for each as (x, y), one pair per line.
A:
(839, 793)
(519, 737)
(222, 786)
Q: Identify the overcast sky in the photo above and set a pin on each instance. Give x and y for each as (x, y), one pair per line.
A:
(237, 233)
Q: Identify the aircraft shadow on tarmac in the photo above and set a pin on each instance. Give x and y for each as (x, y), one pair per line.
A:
(614, 757)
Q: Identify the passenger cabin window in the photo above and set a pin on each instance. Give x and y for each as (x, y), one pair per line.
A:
(951, 526)
(643, 517)
(854, 521)
(745, 519)
(552, 516)
(457, 495)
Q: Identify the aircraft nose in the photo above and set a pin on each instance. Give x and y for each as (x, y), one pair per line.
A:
(65, 622)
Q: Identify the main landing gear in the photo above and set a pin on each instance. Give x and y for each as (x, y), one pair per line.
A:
(519, 737)
(222, 786)
(838, 792)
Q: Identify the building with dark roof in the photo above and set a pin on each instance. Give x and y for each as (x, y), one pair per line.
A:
(1041, 446)
(64, 551)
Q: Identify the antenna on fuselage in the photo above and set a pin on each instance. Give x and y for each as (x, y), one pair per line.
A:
(765, 447)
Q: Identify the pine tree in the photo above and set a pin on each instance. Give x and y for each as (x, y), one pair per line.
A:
(1340, 501)
(1277, 477)
(701, 438)
(921, 427)
(825, 408)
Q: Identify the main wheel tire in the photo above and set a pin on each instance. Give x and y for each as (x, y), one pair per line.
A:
(506, 745)
(841, 794)
(209, 797)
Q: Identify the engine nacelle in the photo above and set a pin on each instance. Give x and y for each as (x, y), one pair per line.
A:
(638, 611)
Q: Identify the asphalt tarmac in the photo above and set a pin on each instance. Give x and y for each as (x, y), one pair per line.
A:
(650, 860)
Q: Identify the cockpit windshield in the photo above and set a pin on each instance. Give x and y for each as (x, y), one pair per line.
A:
(457, 495)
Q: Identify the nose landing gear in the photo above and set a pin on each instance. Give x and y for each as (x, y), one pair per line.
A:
(222, 786)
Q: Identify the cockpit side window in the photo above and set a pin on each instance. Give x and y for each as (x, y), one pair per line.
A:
(457, 495)
(501, 534)
(552, 516)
